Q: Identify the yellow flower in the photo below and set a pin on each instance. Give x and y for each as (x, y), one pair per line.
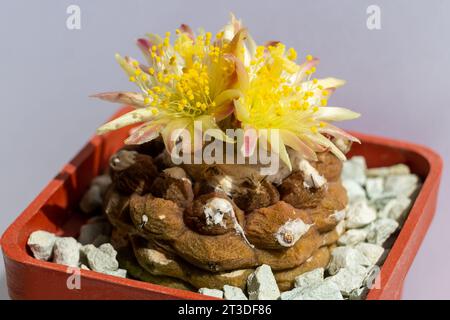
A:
(281, 95)
(205, 78)
(194, 79)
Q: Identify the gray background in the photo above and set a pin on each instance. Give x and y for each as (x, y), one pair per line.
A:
(397, 78)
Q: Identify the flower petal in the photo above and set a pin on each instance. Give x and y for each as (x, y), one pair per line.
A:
(187, 30)
(145, 46)
(172, 132)
(293, 141)
(330, 82)
(125, 64)
(335, 114)
(130, 98)
(304, 67)
(277, 146)
(144, 133)
(132, 117)
(318, 138)
(241, 111)
(224, 102)
(338, 133)
(223, 111)
(227, 96)
(242, 80)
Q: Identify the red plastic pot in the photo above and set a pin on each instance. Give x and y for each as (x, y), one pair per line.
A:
(53, 210)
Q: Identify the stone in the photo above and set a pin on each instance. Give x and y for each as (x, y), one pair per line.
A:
(395, 208)
(326, 290)
(357, 294)
(346, 257)
(92, 199)
(102, 259)
(380, 230)
(355, 169)
(340, 228)
(108, 249)
(90, 231)
(398, 169)
(310, 278)
(233, 293)
(352, 237)
(379, 203)
(348, 279)
(286, 278)
(261, 284)
(359, 214)
(372, 252)
(354, 190)
(401, 185)
(211, 292)
(84, 250)
(374, 187)
(103, 182)
(41, 244)
(66, 251)
(122, 273)
(292, 294)
(101, 239)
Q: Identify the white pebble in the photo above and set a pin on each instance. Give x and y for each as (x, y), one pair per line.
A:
(340, 228)
(401, 185)
(372, 252)
(211, 292)
(380, 230)
(41, 244)
(346, 257)
(355, 169)
(233, 293)
(395, 208)
(326, 290)
(121, 273)
(348, 279)
(359, 214)
(398, 169)
(102, 259)
(374, 187)
(66, 252)
(310, 278)
(355, 191)
(352, 237)
(261, 284)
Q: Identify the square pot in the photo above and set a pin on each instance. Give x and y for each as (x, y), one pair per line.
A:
(54, 210)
